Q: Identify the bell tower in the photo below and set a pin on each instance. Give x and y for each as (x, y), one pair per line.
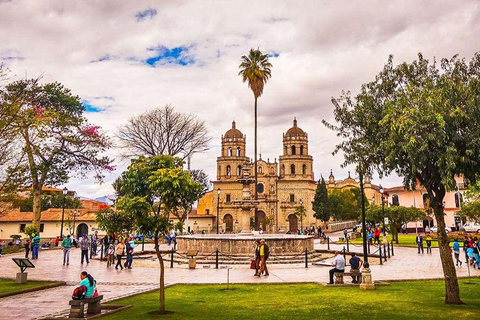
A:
(296, 163)
(232, 158)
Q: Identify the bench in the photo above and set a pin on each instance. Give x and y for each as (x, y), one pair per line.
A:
(339, 276)
(77, 308)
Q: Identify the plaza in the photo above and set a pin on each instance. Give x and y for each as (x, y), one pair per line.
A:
(406, 264)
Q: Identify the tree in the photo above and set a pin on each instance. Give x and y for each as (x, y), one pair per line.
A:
(163, 131)
(342, 205)
(256, 70)
(49, 138)
(419, 120)
(201, 177)
(320, 202)
(151, 190)
(48, 201)
(114, 221)
(397, 216)
(470, 211)
(300, 212)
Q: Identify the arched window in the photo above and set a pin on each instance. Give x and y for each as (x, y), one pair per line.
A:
(282, 171)
(294, 150)
(304, 169)
(229, 152)
(260, 188)
(395, 200)
(260, 169)
(229, 171)
(426, 199)
(239, 171)
(238, 151)
(292, 169)
(301, 150)
(458, 199)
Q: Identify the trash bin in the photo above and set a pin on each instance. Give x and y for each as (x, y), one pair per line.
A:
(192, 263)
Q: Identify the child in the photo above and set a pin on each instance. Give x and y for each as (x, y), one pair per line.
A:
(428, 240)
(110, 255)
(27, 248)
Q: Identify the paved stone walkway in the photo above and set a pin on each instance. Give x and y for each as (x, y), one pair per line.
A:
(114, 284)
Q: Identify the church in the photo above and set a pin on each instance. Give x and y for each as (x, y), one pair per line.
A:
(283, 186)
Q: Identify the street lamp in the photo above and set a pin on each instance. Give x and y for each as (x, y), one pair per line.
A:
(65, 191)
(382, 192)
(74, 217)
(218, 205)
(301, 215)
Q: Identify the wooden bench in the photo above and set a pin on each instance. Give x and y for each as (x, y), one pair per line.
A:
(77, 308)
(339, 276)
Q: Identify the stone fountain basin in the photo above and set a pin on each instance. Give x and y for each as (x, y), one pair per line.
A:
(243, 244)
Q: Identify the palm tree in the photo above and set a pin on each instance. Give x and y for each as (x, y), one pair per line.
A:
(256, 70)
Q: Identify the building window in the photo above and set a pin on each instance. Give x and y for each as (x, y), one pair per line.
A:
(228, 198)
(260, 187)
(229, 152)
(229, 171)
(304, 169)
(239, 171)
(260, 169)
(395, 200)
(426, 199)
(292, 197)
(458, 199)
(238, 151)
(294, 150)
(292, 169)
(282, 172)
(41, 227)
(301, 150)
(207, 211)
(22, 227)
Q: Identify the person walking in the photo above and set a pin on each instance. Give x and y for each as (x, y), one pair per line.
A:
(256, 255)
(85, 245)
(119, 253)
(345, 233)
(476, 255)
(66, 244)
(129, 248)
(94, 243)
(419, 241)
(338, 264)
(35, 246)
(355, 265)
(428, 240)
(110, 255)
(376, 234)
(27, 248)
(106, 243)
(456, 251)
(264, 255)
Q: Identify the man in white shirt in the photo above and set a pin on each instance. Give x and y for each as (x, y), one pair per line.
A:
(338, 264)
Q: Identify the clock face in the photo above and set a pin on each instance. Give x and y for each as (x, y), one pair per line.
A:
(293, 138)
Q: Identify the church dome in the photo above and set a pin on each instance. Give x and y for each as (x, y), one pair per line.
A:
(233, 132)
(295, 131)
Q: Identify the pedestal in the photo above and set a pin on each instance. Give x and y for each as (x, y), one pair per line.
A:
(245, 222)
(367, 283)
(192, 263)
(21, 277)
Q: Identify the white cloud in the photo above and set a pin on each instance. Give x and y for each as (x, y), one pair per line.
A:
(324, 47)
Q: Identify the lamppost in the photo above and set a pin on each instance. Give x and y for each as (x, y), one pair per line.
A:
(301, 215)
(367, 283)
(65, 191)
(74, 217)
(382, 192)
(218, 205)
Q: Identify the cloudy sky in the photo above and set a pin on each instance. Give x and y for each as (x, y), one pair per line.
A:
(123, 57)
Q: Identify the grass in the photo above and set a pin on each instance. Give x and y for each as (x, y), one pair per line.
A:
(7, 250)
(404, 240)
(9, 286)
(401, 300)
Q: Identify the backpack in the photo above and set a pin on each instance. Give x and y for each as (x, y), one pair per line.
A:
(79, 292)
(267, 252)
(128, 247)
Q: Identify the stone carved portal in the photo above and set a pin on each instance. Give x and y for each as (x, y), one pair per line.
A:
(228, 220)
(260, 220)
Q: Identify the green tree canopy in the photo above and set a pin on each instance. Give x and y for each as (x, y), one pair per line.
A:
(419, 120)
(48, 201)
(320, 202)
(470, 211)
(48, 138)
(114, 221)
(150, 191)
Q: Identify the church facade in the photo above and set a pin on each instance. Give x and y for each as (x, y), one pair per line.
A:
(283, 186)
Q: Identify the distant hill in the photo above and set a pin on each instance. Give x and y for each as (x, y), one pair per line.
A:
(108, 199)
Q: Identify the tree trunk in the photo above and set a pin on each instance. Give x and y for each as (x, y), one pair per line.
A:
(255, 163)
(161, 308)
(452, 291)
(37, 204)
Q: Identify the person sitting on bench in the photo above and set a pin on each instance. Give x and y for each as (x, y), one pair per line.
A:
(355, 265)
(338, 264)
(89, 283)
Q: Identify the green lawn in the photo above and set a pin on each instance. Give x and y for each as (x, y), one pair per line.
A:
(404, 240)
(8, 286)
(401, 300)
